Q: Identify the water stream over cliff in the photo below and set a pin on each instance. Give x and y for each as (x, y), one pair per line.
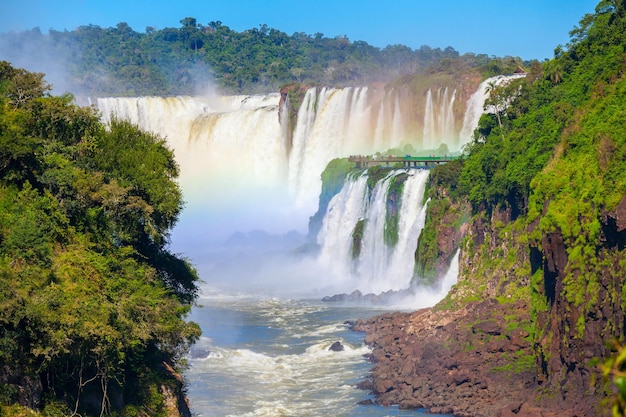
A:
(376, 257)
(250, 188)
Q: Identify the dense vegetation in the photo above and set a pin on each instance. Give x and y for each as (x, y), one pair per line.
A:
(92, 304)
(557, 153)
(545, 176)
(121, 61)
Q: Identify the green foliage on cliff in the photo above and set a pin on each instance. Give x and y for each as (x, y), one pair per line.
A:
(546, 178)
(375, 174)
(446, 213)
(92, 304)
(357, 238)
(427, 252)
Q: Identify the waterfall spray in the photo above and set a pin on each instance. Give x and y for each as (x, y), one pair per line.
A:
(242, 169)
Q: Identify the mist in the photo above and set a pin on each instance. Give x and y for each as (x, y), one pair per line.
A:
(248, 200)
(37, 52)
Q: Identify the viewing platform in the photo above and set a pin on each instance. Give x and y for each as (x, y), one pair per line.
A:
(424, 162)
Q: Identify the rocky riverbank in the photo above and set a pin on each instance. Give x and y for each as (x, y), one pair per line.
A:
(475, 361)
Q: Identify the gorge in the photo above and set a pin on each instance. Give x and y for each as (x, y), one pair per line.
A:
(539, 264)
(238, 252)
(242, 171)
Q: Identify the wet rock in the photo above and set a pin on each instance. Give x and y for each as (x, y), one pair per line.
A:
(336, 347)
(488, 327)
(335, 298)
(366, 384)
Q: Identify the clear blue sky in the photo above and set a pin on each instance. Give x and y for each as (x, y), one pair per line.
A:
(525, 28)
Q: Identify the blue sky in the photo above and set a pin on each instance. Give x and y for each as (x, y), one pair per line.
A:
(524, 28)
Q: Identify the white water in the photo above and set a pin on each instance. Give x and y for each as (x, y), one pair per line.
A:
(232, 157)
(336, 123)
(269, 357)
(378, 267)
(267, 353)
(439, 123)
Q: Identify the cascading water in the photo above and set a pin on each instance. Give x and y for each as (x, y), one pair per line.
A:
(358, 216)
(232, 157)
(268, 355)
(439, 122)
(336, 123)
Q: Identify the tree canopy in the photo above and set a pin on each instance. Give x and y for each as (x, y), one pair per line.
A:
(194, 57)
(92, 303)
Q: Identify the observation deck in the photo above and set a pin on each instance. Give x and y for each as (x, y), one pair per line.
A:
(424, 162)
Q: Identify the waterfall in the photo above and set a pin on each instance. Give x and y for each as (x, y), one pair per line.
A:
(336, 123)
(233, 139)
(243, 167)
(232, 158)
(439, 121)
(476, 106)
(378, 266)
(342, 215)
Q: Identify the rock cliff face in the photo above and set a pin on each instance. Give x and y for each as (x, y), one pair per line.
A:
(445, 227)
(572, 334)
(175, 401)
(510, 339)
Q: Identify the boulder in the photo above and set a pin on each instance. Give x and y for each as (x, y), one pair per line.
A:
(336, 347)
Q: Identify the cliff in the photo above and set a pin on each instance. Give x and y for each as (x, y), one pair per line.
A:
(539, 303)
(482, 351)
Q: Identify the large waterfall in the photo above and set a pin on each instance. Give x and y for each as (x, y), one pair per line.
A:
(244, 167)
(232, 157)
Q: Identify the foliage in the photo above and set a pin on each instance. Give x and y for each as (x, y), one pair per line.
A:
(427, 253)
(550, 161)
(92, 304)
(447, 212)
(376, 173)
(195, 57)
(615, 368)
(357, 238)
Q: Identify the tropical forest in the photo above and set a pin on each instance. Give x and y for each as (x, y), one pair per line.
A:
(96, 308)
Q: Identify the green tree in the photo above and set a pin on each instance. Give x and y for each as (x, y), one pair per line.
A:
(92, 304)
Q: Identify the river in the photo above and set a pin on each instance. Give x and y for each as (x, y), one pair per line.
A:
(245, 180)
(269, 356)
